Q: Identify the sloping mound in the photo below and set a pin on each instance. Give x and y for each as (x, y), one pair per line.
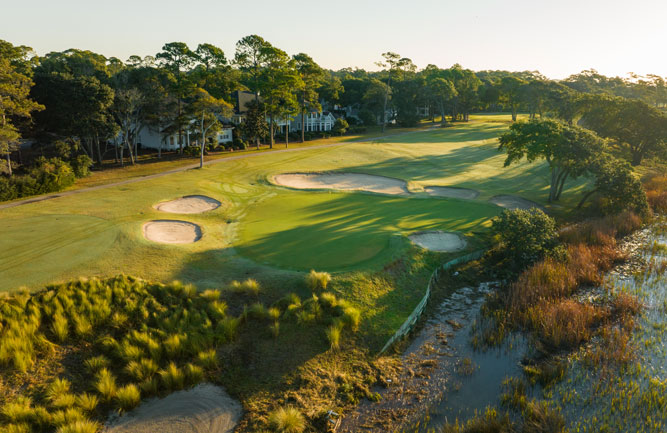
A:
(444, 242)
(343, 182)
(203, 409)
(189, 204)
(514, 202)
(172, 232)
(446, 191)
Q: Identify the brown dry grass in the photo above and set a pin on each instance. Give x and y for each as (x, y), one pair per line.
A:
(656, 192)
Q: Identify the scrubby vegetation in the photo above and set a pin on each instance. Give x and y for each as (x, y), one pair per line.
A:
(73, 352)
(134, 338)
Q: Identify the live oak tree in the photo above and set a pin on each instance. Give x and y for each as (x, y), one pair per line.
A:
(618, 187)
(442, 91)
(510, 93)
(207, 112)
(633, 124)
(569, 150)
(15, 84)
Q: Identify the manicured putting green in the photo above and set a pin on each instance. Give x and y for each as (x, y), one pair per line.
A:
(346, 231)
(38, 249)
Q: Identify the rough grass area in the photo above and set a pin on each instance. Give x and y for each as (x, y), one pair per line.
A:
(75, 352)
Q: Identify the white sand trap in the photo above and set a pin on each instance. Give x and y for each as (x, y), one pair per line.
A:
(189, 204)
(439, 241)
(343, 182)
(172, 232)
(446, 191)
(203, 409)
(514, 202)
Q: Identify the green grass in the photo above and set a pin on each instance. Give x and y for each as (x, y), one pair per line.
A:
(99, 233)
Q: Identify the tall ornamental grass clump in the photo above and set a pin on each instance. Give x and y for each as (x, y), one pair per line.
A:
(287, 420)
(145, 339)
(318, 280)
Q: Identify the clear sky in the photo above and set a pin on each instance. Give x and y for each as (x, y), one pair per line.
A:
(557, 38)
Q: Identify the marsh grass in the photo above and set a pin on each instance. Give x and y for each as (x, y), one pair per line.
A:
(334, 333)
(128, 397)
(287, 420)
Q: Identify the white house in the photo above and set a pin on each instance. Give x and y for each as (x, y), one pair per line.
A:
(151, 139)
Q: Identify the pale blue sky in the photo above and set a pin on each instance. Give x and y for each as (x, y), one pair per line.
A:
(556, 37)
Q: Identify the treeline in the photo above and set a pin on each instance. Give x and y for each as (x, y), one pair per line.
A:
(99, 105)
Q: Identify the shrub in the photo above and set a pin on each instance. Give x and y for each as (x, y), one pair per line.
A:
(81, 165)
(87, 402)
(128, 397)
(256, 311)
(173, 378)
(174, 346)
(227, 329)
(80, 426)
(318, 280)
(333, 335)
(60, 328)
(193, 373)
(351, 317)
(208, 359)
(274, 328)
(525, 236)
(287, 420)
(273, 313)
(142, 369)
(106, 384)
(57, 388)
(96, 363)
(150, 386)
(249, 287)
(18, 411)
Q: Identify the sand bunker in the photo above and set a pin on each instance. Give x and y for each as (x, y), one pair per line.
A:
(514, 202)
(172, 232)
(439, 241)
(343, 182)
(204, 409)
(446, 191)
(189, 204)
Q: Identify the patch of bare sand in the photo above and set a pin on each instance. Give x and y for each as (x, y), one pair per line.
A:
(446, 191)
(439, 241)
(203, 409)
(189, 204)
(343, 182)
(514, 202)
(172, 232)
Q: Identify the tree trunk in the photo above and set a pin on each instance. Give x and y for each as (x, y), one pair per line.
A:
(513, 113)
(583, 200)
(303, 125)
(99, 152)
(9, 162)
(286, 132)
(122, 150)
(271, 126)
(561, 184)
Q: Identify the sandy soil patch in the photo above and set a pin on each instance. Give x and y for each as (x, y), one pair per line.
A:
(172, 232)
(189, 204)
(203, 409)
(446, 191)
(514, 202)
(343, 182)
(439, 241)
